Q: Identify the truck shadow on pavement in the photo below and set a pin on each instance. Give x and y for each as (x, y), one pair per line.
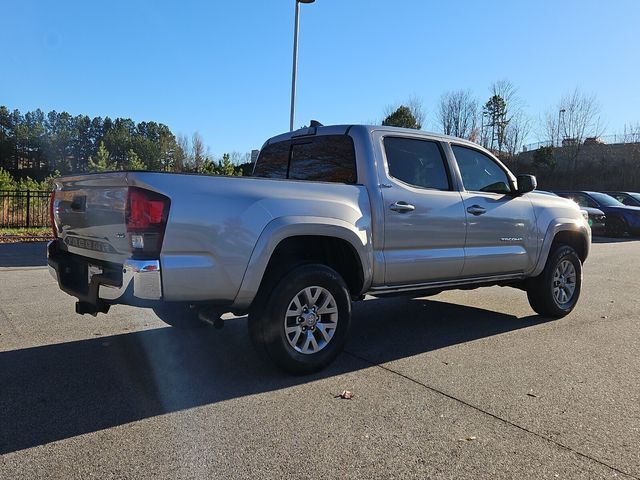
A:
(55, 392)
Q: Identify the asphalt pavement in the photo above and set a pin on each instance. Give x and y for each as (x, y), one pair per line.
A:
(465, 384)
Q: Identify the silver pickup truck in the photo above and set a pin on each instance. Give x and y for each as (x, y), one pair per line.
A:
(330, 214)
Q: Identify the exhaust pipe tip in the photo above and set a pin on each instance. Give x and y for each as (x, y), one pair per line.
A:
(212, 317)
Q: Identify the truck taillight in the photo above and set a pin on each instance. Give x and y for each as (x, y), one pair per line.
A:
(52, 207)
(146, 216)
(145, 209)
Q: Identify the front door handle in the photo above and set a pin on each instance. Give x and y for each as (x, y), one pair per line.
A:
(402, 207)
(476, 210)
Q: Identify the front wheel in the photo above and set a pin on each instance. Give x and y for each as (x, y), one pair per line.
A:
(303, 323)
(555, 292)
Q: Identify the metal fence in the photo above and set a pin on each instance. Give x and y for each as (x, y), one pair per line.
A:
(632, 137)
(24, 209)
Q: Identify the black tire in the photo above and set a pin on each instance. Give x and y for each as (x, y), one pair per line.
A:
(179, 315)
(268, 317)
(615, 227)
(540, 290)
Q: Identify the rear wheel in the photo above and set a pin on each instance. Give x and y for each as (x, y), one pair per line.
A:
(303, 322)
(179, 315)
(556, 290)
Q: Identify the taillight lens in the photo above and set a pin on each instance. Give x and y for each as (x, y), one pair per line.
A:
(52, 207)
(147, 214)
(145, 209)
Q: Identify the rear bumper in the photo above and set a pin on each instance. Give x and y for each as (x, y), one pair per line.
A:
(134, 282)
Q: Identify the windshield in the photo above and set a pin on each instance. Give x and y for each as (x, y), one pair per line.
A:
(606, 200)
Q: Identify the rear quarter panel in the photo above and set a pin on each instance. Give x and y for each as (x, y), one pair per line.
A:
(215, 224)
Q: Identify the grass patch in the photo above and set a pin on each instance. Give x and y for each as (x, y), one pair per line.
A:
(11, 235)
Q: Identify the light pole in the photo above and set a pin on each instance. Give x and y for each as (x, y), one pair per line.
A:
(560, 112)
(294, 73)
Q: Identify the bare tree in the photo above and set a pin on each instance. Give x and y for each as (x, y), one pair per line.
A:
(238, 158)
(198, 152)
(517, 131)
(631, 133)
(503, 105)
(416, 105)
(181, 160)
(576, 117)
(458, 114)
(509, 93)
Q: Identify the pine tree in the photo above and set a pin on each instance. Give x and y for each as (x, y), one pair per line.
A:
(402, 117)
(6, 180)
(225, 166)
(133, 161)
(102, 162)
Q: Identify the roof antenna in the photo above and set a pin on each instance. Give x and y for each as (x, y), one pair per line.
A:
(315, 123)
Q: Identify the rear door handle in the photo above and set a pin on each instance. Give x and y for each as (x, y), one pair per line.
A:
(402, 207)
(476, 210)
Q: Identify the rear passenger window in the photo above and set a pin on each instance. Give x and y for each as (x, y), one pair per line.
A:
(326, 158)
(417, 162)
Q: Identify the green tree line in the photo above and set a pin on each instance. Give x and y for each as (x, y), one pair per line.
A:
(36, 145)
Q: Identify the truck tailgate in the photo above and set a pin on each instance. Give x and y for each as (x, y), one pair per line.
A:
(90, 215)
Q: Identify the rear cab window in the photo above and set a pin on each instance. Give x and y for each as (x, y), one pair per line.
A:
(325, 158)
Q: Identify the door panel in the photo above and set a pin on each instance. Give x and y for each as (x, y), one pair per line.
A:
(500, 240)
(424, 219)
(501, 235)
(425, 244)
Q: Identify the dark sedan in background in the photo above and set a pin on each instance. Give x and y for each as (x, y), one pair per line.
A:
(597, 219)
(621, 218)
(631, 199)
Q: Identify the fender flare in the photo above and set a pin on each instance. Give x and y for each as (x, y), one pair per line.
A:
(560, 225)
(282, 228)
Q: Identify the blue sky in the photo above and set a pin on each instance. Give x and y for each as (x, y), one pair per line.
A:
(223, 68)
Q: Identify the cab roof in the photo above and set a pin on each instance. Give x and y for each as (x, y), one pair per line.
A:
(366, 129)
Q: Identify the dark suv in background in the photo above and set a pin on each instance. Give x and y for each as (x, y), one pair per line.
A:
(631, 199)
(621, 218)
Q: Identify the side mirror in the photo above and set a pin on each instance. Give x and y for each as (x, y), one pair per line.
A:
(526, 183)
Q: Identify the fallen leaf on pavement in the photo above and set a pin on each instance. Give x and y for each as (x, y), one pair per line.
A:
(346, 395)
